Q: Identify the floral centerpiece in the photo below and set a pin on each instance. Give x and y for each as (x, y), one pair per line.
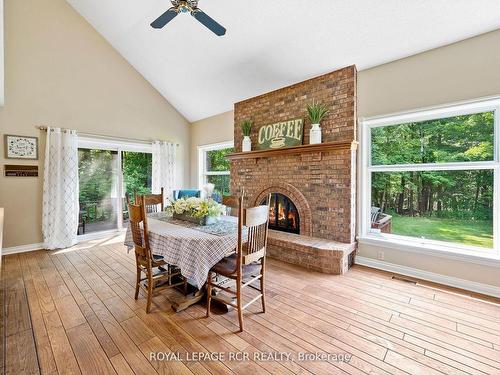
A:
(203, 211)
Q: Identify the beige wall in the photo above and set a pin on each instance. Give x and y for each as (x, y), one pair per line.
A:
(461, 71)
(465, 70)
(59, 71)
(214, 129)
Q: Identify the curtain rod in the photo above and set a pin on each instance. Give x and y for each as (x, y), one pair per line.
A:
(102, 136)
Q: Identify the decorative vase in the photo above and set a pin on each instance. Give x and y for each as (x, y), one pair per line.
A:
(315, 134)
(246, 144)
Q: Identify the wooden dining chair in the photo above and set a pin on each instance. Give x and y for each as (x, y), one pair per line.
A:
(247, 264)
(232, 203)
(154, 202)
(156, 276)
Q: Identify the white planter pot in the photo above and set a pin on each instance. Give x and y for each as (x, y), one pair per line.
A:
(246, 144)
(315, 134)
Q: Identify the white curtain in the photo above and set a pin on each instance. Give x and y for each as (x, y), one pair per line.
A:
(163, 168)
(60, 189)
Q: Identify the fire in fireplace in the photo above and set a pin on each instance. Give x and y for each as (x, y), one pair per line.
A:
(283, 215)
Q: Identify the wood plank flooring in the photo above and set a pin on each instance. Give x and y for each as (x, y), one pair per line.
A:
(73, 312)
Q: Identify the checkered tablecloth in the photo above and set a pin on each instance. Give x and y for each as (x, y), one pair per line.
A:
(193, 251)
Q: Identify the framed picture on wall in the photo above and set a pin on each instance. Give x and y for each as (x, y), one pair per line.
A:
(21, 147)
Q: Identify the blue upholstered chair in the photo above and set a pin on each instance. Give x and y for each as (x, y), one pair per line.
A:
(186, 193)
(216, 196)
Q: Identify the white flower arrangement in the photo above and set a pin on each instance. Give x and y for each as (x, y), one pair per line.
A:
(208, 189)
(196, 207)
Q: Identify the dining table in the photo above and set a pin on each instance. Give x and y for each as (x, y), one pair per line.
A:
(192, 247)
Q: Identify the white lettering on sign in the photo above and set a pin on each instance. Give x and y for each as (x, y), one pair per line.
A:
(281, 134)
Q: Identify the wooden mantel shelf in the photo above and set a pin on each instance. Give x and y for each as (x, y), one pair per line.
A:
(320, 147)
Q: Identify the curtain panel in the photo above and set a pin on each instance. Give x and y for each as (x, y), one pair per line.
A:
(60, 189)
(164, 167)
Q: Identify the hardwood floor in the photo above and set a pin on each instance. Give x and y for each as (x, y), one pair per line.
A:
(73, 312)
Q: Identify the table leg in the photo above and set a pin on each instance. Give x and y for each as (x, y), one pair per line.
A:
(195, 295)
(182, 302)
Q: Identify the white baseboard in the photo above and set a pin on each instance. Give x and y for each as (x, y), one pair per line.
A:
(472, 286)
(22, 248)
(85, 237)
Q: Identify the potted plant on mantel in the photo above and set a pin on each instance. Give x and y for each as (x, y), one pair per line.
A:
(246, 128)
(316, 113)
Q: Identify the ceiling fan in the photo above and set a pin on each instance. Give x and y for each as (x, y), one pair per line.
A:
(181, 6)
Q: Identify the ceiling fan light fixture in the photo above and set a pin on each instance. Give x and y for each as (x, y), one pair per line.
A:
(188, 6)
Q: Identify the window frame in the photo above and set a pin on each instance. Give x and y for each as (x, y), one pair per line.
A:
(406, 242)
(202, 161)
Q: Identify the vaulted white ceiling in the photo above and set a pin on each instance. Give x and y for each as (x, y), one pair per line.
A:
(273, 43)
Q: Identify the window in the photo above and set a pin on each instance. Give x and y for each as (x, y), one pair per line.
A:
(137, 168)
(214, 167)
(431, 178)
(108, 170)
(137, 172)
(97, 170)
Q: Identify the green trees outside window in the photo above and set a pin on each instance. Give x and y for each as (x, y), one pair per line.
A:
(448, 205)
(98, 183)
(217, 170)
(137, 172)
(453, 139)
(216, 160)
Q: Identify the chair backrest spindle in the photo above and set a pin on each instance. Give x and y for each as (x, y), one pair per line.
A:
(137, 216)
(256, 219)
(153, 202)
(233, 203)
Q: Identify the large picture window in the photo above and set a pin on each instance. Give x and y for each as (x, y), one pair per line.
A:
(431, 178)
(214, 167)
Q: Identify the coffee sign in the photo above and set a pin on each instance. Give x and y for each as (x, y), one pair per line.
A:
(282, 134)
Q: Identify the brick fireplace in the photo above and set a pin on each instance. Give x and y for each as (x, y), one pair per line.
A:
(318, 179)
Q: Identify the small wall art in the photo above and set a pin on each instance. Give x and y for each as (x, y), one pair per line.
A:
(21, 147)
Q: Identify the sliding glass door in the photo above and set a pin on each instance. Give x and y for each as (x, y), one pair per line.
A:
(137, 173)
(108, 173)
(98, 175)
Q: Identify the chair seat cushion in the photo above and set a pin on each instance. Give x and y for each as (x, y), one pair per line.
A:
(227, 266)
(158, 261)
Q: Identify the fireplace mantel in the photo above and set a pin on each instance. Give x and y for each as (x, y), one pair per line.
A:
(320, 179)
(302, 149)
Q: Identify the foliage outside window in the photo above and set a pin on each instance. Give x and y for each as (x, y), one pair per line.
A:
(452, 139)
(215, 168)
(434, 179)
(99, 190)
(97, 187)
(137, 172)
(452, 206)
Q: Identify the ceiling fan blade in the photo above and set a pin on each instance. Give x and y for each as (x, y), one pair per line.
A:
(165, 18)
(208, 22)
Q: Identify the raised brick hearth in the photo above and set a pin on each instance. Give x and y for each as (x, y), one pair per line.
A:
(310, 252)
(320, 180)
